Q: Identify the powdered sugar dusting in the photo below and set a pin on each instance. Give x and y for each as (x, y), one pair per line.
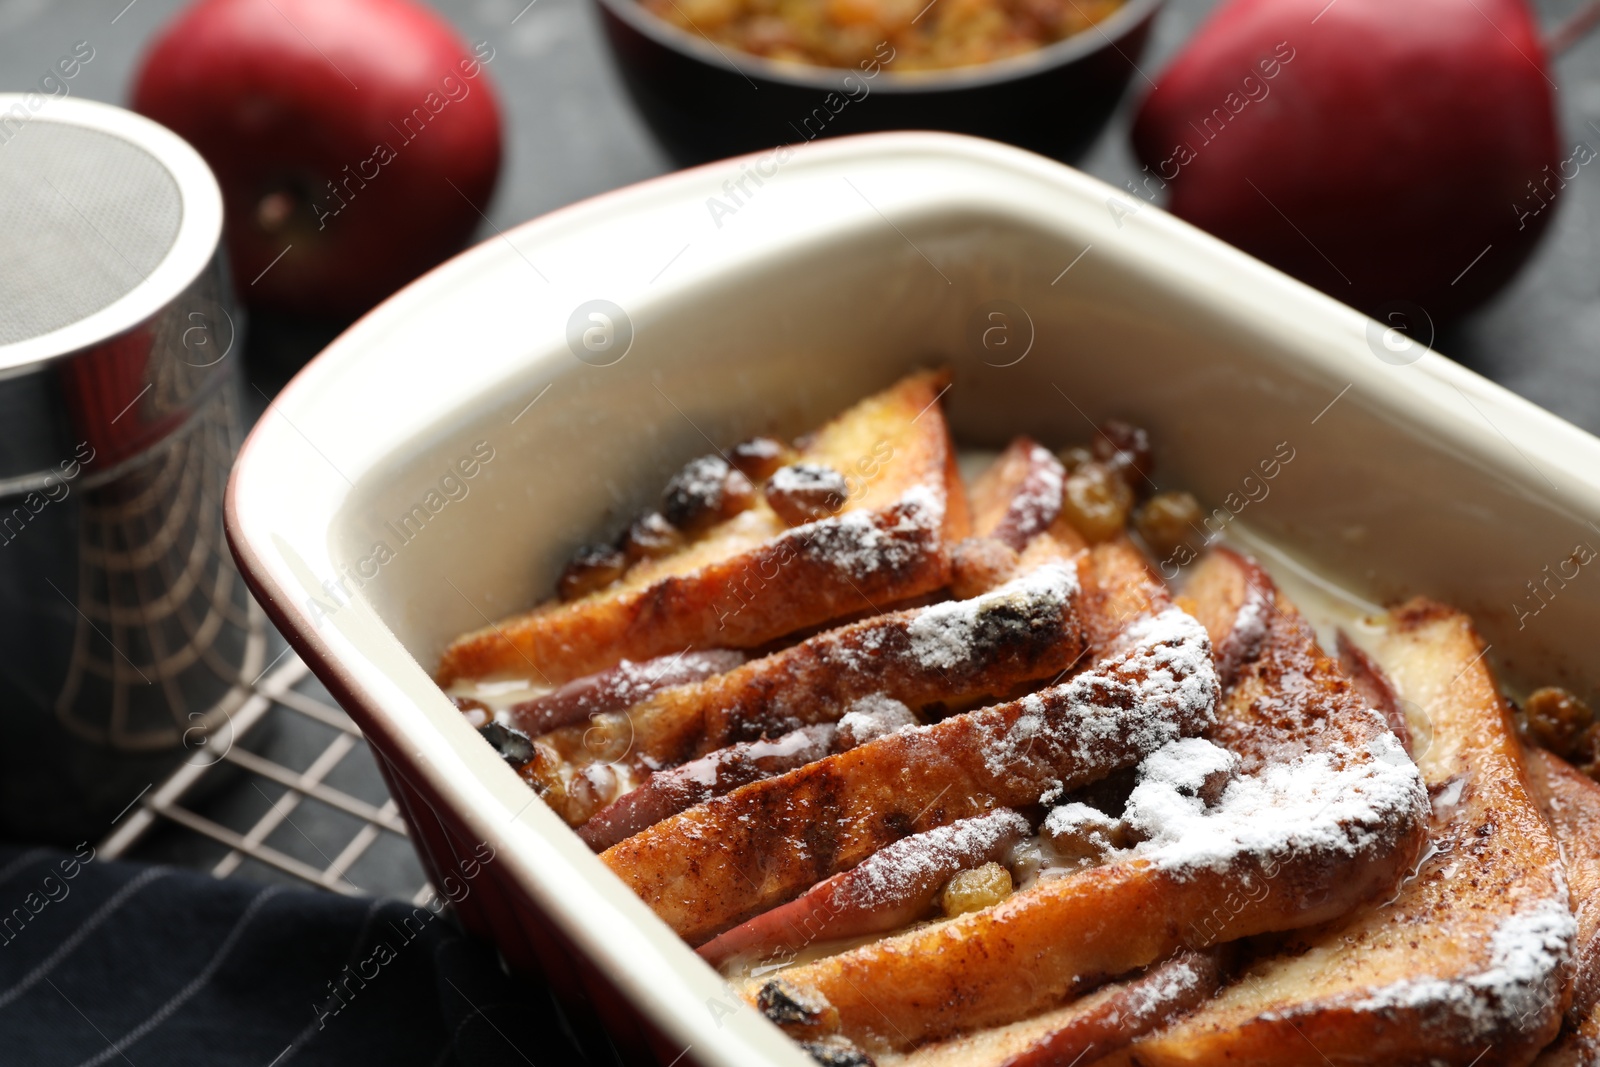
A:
(1185, 765)
(925, 500)
(1530, 948)
(873, 717)
(855, 544)
(1080, 822)
(805, 478)
(944, 635)
(1155, 993)
(1338, 802)
(1037, 500)
(614, 689)
(1244, 639)
(700, 479)
(1159, 687)
(920, 863)
(636, 681)
(1043, 490)
(1518, 989)
(1074, 818)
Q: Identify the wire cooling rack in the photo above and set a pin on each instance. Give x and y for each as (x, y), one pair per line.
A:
(287, 790)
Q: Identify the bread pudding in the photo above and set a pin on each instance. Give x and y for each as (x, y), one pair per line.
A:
(947, 770)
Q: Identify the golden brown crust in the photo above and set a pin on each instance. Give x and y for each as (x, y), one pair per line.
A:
(1570, 801)
(1417, 979)
(746, 582)
(958, 507)
(674, 789)
(1012, 513)
(1374, 688)
(716, 865)
(1018, 637)
(1283, 687)
(1118, 585)
(881, 894)
(1098, 1022)
(978, 564)
(1019, 496)
(793, 831)
(1050, 941)
(723, 862)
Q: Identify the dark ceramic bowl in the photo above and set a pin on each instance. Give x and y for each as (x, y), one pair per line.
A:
(707, 101)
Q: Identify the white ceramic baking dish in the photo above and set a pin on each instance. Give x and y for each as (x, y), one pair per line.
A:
(766, 305)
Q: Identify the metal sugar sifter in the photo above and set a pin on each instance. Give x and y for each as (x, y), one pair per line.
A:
(126, 636)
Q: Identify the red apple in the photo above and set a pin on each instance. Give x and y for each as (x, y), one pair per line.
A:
(355, 139)
(1383, 151)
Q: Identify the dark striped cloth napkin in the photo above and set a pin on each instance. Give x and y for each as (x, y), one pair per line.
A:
(120, 964)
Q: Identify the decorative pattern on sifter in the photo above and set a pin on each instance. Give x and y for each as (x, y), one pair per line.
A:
(129, 638)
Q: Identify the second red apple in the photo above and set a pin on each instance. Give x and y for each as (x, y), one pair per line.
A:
(1381, 151)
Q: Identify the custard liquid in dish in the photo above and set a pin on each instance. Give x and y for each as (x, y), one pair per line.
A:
(938, 769)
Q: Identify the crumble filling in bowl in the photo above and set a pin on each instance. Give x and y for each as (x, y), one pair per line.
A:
(898, 35)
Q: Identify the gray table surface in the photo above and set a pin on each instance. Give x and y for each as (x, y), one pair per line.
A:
(572, 133)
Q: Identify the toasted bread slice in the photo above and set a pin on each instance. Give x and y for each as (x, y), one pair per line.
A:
(1095, 1024)
(616, 689)
(736, 856)
(951, 653)
(1571, 803)
(891, 888)
(749, 580)
(673, 789)
(1467, 964)
(1330, 814)
(1019, 496)
(981, 563)
(1015, 503)
(1023, 631)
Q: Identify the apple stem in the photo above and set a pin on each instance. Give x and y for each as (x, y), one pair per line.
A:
(1574, 29)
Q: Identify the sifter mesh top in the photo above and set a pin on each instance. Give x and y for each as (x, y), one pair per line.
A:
(86, 216)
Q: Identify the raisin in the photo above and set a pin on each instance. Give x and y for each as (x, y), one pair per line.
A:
(787, 1005)
(1096, 502)
(805, 492)
(974, 890)
(758, 457)
(1557, 720)
(543, 774)
(1586, 752)
(842, 1054)
(589, 790)
(707, 490)
(1166, 521)
(1125, 448)
(738, 494)
(593, 567)
(650, 537)
(514, 746)
(1074, 457)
